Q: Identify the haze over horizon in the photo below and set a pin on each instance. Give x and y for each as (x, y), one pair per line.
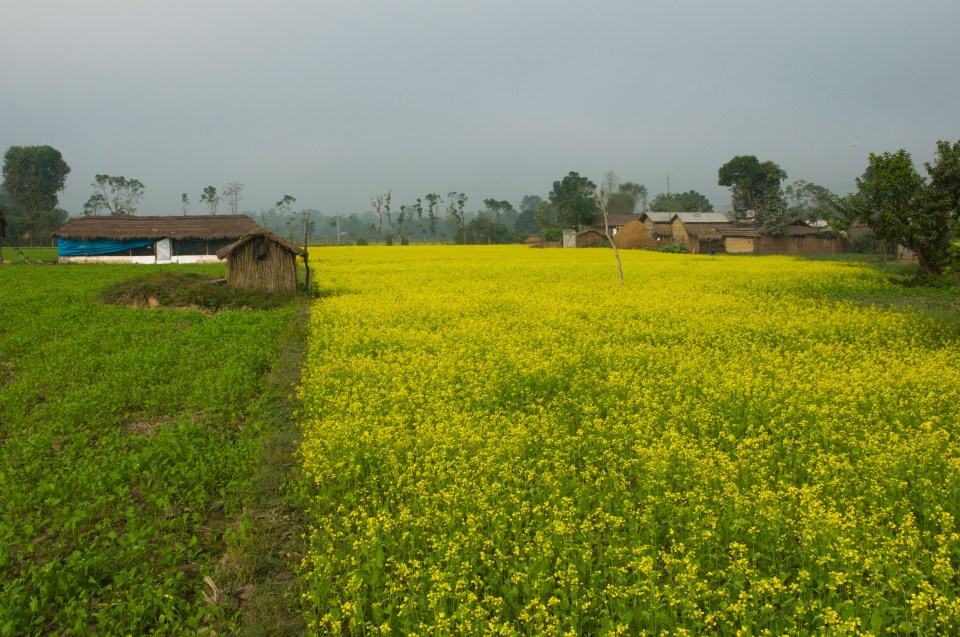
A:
(335, 102)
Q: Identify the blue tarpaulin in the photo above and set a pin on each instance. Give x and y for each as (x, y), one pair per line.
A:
(95, 247)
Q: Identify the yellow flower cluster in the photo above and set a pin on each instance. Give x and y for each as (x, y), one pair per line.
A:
(500, 440)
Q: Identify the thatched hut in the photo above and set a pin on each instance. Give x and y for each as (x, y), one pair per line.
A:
(590, 237)
(635, 236)
(130, 239)
(262, 259)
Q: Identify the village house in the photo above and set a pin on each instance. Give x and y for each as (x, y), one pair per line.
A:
(149, 240)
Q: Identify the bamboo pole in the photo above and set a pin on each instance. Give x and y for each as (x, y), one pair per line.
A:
(606, 232)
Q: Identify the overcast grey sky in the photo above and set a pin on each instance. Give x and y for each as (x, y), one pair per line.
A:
(334, 102)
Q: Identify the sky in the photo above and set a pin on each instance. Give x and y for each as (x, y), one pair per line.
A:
(333, 102)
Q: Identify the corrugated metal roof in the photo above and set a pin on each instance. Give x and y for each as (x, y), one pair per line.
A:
(701, 217)
(658, 217)
(182, 227)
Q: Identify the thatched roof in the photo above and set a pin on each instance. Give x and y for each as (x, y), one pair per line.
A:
(225, 251)
(704, 232)
(133, 227)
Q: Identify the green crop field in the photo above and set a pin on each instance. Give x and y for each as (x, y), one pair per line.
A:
(126, 438)
(501, 440)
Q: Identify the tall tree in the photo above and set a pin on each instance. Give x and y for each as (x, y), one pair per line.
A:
(285, 208)
(546, 216)
(455, 203)
(809, 202)
(418, 209)
(381, 205)
(116, 195)
(433, 216)
(404, 216)
(573, 199)
(211, 198)
(751, 182)
(637, 191)
(32, 178)
(497, 207)
(529, 203)
(231, 192)
(185, 202)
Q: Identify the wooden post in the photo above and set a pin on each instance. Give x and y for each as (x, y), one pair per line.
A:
(306, 256)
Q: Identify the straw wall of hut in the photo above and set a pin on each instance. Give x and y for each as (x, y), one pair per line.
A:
(262, 260)
(635, 236)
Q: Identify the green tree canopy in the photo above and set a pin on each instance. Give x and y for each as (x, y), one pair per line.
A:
(116, 195)
(901, 207)
(573, 200)
(691, 201)
(483, 230)
(32, 177)
(752, 183)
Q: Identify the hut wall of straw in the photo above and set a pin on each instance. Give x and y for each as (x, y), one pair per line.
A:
(261, 263)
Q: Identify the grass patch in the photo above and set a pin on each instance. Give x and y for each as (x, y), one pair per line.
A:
(16, 255)
(265, 543)
(191, 290)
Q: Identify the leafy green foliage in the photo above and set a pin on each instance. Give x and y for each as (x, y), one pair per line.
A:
(115, 195)
(901, 207)
(126, 435)
(751, 182)
(32, 177)
(483, 230)
(572, 199)
(691, 201)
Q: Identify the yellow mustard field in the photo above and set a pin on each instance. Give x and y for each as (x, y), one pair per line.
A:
(502, 440)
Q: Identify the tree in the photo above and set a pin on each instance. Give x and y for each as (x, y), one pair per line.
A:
(285, 208)
(901, 207)
(211, 198)
(529, 203)
(809, 202)
(526, 224)
(117, 195)
(433, 203)
(482, 230)
(418, 208)
(620, 203)
(637, 191)
(185, 202)
(32, 177)
(751, 182)
(231, 192)
(381, 205)
(546, 216)
(406, 213)
(455, 203)
(573, 199)
(497, 207)
(610, 184)
(691, 201)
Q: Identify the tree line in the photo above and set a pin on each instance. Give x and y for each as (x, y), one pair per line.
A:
(900, 206)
